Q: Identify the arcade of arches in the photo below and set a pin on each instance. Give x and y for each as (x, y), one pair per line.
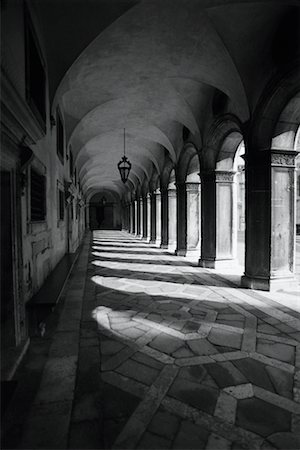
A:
(162, 312)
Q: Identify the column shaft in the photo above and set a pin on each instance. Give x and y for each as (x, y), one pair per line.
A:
(153, 217)
(270, 219)
(164, 219)
(158, 218)
(172, 215)
(193, 218)
(181, 219)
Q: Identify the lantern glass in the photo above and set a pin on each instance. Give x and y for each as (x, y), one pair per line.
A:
(124, 167)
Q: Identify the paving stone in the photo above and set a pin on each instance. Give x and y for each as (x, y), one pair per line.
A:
(155, 318)
(261, 417)
(183, 352)
(110, 347)
(147, 360)
(47, 426)
(191, 436)
(85, 435)
(65, 343)
(225, 338)
(164, 424)
(190, 327)
(178, 325)
(112, 428)
(255, 372)
(285, 441)
(225, 374)
(153, 441)
(276, 350)
(132, 333)
(267, 329)
(86, 407)
(282, 381)
(232, 323)
(202, 347)
(117, 404)
(138, 371)
(201, 397)
(166, 344)
(193, 373)
(58, 380)
(89, 342)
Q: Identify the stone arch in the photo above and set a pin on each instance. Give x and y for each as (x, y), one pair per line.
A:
(224, 135)
(188, 152)
(165, 175)
(270, 199)
(276, 112)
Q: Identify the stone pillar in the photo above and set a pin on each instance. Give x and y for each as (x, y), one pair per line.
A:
(148, 217)
(141, 218)
(145, 217)
(164, 218)
(138, 217)
(270, 219)
(135, 217)
(193, 207)
(172, 216)
(132, 218)
(181, 219)
(153, 218)
(158, 218)
(218, 224)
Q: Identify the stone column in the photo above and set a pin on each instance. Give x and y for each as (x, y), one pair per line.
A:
(153, 218)
(218, 224)
(158, 218)
(132, 217)
(135, 217)
(141, 218)
(138, 217)
(164, 218)
(181, 219)
(145, 218)
(270, 219)
(172, 219)
(148, 217)
(193, 207)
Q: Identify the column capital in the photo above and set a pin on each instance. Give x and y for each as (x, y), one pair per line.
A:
(226, 176)
(285, 158)
(172, 192)
(193, 186)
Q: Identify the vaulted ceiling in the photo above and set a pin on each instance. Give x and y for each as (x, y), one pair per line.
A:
(154, 67)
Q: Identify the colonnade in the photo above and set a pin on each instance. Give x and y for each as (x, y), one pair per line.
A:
(200, 219)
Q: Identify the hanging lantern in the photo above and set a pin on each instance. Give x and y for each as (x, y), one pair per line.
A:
(124, 165)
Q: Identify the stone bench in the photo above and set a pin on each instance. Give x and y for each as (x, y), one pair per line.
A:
(44, 301)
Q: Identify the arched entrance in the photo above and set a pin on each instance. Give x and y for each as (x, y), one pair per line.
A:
(105, 212)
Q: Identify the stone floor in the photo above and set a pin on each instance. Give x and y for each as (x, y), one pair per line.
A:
(150, 351)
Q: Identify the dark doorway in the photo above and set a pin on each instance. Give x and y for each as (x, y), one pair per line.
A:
(102, 216)
(8, 338)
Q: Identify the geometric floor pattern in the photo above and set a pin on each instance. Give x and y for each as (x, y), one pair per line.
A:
(206, 365)
(145, 350)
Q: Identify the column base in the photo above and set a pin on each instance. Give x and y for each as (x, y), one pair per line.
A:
(152, 241)
(158, 242)
(212, 263)
(163, 245)
(180, 252)
(269, 284)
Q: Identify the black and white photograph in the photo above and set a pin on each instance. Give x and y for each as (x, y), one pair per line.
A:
(150, 224)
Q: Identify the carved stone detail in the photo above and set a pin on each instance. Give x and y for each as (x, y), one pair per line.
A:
(283, 159)
(224, 176)
(172, 193)
(193, 187)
